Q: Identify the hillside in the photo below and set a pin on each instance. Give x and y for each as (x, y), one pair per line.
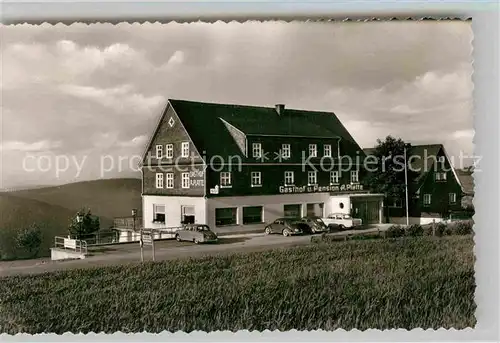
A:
(16, 213)
(107, 198)
(52, 207)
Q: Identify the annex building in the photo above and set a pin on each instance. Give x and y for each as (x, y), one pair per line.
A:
(436, 189)
(234, 166)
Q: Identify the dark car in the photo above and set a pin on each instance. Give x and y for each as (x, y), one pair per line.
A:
(315, 224)
(286, 226)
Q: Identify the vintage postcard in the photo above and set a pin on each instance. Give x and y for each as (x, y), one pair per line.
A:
(237, 176)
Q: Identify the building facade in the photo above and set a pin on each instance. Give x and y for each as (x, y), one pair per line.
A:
(232, 166)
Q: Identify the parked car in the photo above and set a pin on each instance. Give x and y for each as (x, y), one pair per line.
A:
(315, 224)
(197, 233)
(286, 227)
(343, 221)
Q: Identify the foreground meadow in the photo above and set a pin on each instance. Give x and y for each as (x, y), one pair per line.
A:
(425, 282)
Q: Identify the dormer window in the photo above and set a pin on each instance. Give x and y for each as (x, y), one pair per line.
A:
(327, 150)
(285, 151)
(313, 150)
(257, 150)
(159, 151)
(185, 149)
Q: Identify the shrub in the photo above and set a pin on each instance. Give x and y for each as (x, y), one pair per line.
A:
(89, 224)
(415, 230)
(29, 240)
(440, 229)
(395, 231)
(8, 246)
(462, 227)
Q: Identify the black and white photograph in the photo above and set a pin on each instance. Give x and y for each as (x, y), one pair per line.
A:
(262, 175)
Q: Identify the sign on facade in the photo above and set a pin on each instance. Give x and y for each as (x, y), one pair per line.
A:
(321, 189)
(196, 178)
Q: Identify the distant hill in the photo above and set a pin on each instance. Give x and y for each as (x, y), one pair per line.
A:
(52, 207)
(107, 198)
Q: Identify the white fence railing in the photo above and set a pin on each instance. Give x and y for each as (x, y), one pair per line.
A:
(70, 244)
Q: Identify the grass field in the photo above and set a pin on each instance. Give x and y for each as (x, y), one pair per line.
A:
(425, 282)
(52, 207)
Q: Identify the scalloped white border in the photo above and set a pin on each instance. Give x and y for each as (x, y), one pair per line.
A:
(485, 79)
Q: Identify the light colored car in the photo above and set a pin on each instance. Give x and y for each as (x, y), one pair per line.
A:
(342, 220)
(286, 227)
(197, 233)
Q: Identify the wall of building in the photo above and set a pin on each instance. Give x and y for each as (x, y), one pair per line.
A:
(272, 206)
(173, 215)
(336, 202)
(415, 220)
(273, 180)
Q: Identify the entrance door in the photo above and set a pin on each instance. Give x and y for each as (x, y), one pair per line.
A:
(366, 210)
(187, 215)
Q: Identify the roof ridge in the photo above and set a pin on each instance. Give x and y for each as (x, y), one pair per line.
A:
(248, 106)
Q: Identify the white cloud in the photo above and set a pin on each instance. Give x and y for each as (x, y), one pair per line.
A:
(404, 109)
(138, 141)
(121, 98)
(459, 134)
(43, 145)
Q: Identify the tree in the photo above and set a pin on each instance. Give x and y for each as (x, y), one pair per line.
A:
(30, 239)
(387, 169)
(88, 224)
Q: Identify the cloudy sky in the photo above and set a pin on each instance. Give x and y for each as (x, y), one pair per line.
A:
(75, 96)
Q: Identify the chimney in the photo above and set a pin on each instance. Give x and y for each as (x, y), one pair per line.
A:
(280, 108)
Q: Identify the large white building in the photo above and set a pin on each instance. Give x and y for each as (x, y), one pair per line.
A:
(235, 167)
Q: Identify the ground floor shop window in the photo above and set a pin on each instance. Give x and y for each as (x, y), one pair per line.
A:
(292, 210)
(252, 214)
(187, 214)
(159, 213)
(225, 216)
(315, 210)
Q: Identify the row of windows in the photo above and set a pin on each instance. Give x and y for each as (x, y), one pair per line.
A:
(169, 150)
(168, 180)
(289, 178)
(286, 152)
(452, 199)
(427, 199)
(187, 214)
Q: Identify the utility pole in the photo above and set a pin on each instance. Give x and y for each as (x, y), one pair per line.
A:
(406, 188)
(141, 242)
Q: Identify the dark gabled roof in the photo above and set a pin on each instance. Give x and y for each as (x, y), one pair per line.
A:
(420, 153)
(205, 124)
(423, 160)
